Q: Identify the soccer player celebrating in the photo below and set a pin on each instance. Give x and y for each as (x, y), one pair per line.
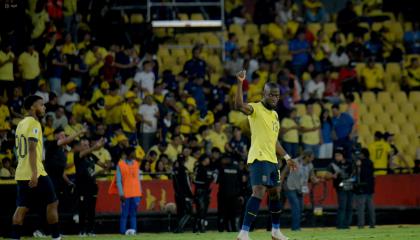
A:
(33, 182)
(262, 159)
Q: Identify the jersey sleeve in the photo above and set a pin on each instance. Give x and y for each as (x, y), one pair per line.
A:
(34, 131)
(254, 109)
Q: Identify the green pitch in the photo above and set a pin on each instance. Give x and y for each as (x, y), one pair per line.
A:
(407, 232)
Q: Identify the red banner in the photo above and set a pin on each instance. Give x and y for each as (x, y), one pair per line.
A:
(390, 191)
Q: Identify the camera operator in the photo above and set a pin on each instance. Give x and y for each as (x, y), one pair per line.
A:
(364, 189)
(341, 171)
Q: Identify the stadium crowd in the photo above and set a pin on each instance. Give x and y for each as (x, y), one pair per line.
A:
(105, 91)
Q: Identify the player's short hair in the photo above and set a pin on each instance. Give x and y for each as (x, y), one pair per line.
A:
(335, 106)
(271, 85)
(378, 135)
(29, 101)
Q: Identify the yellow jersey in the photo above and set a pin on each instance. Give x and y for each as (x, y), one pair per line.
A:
(127, 111)
(6, 71)
(291, 136)
(265, 126)
(379, 153)
(312, 137)
(29, 65)
(113, 115)
(28, 129)
(218, 140)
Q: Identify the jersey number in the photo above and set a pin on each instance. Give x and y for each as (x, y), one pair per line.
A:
(21, 146)
(378, 153)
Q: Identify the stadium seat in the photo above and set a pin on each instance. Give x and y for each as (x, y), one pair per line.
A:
(392, 128)
(401, 140)
(399, 119)
(376, 108)
(394, 71)
(384, 97)
(251, 29)
(177, 68)
(362, 109)
(183, 16)
(414, 116)
(363, 130)
(368, 97)
(359, 68)
(407, 108)
(368, 119)
(136, 18)
(383, 118)
(178, 52)
(237, 29)
(414, 97)
(399, 97)
(197, 16)
(392, 108)
(397, 29)
(392, 86)
(376, 127)
(408, 26)
(408, 129)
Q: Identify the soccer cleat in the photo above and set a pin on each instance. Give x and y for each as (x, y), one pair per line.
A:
(243, 236)
(39, 234)
(277, 235)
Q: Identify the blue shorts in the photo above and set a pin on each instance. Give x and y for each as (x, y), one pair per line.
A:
(264, 173)
(43, 193)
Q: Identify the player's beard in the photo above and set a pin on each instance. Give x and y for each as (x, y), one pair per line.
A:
(40, 114)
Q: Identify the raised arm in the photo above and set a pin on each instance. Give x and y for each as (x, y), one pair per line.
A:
(240, 105)
(95, 147)
(71, 138)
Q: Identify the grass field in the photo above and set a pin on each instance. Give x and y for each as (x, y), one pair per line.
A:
(406, 232)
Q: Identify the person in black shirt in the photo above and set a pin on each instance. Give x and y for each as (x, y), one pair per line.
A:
(341, 171)
(364, 189)
(56, 160)
(87, 189)
(52, 104)
(229, 180)
(202, 181)
(238, 145)
(183, 193)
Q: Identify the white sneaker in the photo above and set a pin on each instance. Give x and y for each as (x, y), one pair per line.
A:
(277, 235)
(82, 234)
(39, 234)
(91, 234)
(243, 236)
(76, 218)
(130, 232)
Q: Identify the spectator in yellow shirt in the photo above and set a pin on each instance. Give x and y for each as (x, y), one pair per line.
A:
(310, 128)
(217, 137)
(6, 69)
(174, 148)
(186, 115)
(69, 48)
(128, 118)
(290, 133)
(4, 111)
(372, 76)
(113, 103)
(29, 69)
(411, 75)
(48, 128)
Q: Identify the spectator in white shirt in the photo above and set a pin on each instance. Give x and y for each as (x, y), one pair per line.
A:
(146, 79)
(70, 97)
(315, 88)
(149, 113)
(59, 118)
(235, 64)
(43, 91)
(339, 58)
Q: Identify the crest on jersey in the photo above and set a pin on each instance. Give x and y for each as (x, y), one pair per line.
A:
(35, 130)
